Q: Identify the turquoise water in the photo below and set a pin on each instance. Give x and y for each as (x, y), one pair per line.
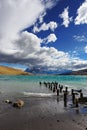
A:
(25, 84)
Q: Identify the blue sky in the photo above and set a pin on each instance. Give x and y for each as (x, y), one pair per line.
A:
(46, 34)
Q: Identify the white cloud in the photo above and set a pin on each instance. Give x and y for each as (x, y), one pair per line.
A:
(65, 17)
(78, 64)
(17, 46)
(85, 49)
(15, 15)
(41, 17)
(50, 38)
(80, 38)
(29, 52)
(27, 43)
(82, 14)
(51, 25)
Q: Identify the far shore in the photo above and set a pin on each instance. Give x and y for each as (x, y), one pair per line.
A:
(11, 71)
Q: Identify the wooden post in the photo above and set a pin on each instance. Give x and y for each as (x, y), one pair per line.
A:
(76, 102)
(57, 92)
(81, 95)
(56, 86)
(65, 99)
(45, 84)
(72, 91)
(54, 90)
(73, 98)
(60, 89)
(66, 89)
(51, 87)
(40, 83)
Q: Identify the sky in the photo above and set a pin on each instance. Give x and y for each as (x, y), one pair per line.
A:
(49, 35)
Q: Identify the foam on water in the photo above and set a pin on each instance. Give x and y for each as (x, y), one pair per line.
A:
(38, 94)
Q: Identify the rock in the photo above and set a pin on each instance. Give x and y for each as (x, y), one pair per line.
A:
(83, 100)
(18, 104)
(8, 101)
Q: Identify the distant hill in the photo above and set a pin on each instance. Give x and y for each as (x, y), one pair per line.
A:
(79, 72)
(11, 71)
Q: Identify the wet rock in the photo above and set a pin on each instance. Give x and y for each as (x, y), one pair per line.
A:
(58, 120)
(83, 100)
(8, 101)
(18, 104)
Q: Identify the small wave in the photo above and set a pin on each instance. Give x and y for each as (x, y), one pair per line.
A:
(38, 94)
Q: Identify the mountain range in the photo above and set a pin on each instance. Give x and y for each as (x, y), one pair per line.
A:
(12, 71)
(79, 72)
(59, 72)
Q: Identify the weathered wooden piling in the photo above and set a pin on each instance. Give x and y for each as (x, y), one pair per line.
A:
(48, 84)
(72, 92)
(57, 92)
(81, 95)
(66, 89)
(65, 103)
(59, 85)
(73, 98)
(54, 89)
(51, 87)
(45, 84)
(65, 99)
(56, 84)
(65, 96)
(61, 89)
(76, 103)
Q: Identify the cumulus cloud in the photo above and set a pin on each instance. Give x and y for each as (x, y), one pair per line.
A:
(23, 47)
(50, 38)
(85, 49)
(51, 25)
(29, 52)
(65, 17)
(80, 38)
(41, 17)
(27, 43)
(29, 48)
(78, 64)
(82, 14)
(17, 15)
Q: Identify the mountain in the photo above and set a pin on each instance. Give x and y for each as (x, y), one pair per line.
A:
(44, 71)
(79, 72)
(57, 72)
(11, 71)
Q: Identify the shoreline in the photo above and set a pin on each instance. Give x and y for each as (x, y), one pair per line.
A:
(41, 114)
